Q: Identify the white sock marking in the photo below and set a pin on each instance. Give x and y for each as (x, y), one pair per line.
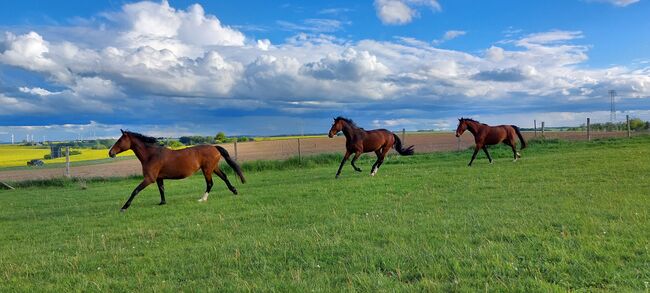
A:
(204, 198)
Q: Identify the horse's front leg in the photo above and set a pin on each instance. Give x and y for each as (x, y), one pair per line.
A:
(135, 192)
(356, 156)
(345, 158)
(476, 149)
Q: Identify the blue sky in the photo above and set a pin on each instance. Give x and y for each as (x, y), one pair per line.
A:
(87, 68)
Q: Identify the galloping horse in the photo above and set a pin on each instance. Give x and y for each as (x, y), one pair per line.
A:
(159, 163)
(485, 135)
(358, 141)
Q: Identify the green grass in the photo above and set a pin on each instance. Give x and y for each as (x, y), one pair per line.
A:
(568, 216)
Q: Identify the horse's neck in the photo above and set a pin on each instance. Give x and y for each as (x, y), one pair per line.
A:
(351, 132)
(473, 127)
(142, 151)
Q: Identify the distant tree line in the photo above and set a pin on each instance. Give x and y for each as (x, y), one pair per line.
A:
(97, 144)
(100, 144)
(636, 124)
(219, 138)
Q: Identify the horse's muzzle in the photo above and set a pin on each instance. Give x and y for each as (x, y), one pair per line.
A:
(330, 135)
(457, 135)
(110, 154)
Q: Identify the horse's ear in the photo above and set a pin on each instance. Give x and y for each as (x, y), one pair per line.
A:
(122, 130)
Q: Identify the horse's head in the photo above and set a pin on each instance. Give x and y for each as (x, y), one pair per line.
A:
(462, 126)
(336, 127)
(122, 144)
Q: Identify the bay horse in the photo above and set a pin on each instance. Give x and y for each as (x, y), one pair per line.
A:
(485, 135)
(159, 163)
(358, 141)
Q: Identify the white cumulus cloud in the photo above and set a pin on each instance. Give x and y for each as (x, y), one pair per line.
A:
(218, 67)
(619, 3)
(399, 12)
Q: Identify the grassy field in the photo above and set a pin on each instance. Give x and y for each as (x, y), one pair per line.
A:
(568, 216)
(17, 156)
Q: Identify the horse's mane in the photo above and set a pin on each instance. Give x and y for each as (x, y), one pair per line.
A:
(348, 121)
(470, 119)
(142, 137)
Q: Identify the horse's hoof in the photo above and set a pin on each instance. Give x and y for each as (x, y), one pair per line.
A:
(358, 170)
(336, 177)
(234, 191)
(122, 210)
(162, 203)
(202, 200)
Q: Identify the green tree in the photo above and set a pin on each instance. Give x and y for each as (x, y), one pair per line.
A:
(637, 124)
(220, 137)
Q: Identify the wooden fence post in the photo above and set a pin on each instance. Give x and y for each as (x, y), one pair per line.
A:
(627, 119)
(299, 154)
(235, 145)
(588, 129)
(535, 127)
(67, 161)
(542, 128)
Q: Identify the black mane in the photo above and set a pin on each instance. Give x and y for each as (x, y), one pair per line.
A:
(470, 119)
(348, 121)
(142, 137)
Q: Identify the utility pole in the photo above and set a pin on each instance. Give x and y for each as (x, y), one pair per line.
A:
(612, 111)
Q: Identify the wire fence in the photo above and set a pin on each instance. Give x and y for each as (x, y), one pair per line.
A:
(424, 142)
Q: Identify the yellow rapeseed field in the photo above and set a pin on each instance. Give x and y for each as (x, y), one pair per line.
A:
(15, 155)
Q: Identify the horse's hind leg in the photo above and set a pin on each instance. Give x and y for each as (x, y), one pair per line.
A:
(223, 177)
(487, 153)
(356, 156)
(161, 188)
(380, 161)
(373, 170)
(208, 184)
(513, 145)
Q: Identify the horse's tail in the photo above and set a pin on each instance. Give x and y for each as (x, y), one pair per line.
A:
(521, 137)
(398, 147)
(224, 153)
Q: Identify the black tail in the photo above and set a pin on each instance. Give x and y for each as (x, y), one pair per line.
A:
(224, 153)
(521, 137)
(398, 147)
